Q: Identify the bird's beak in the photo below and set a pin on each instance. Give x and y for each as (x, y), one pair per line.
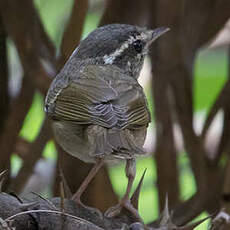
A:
(154, 34)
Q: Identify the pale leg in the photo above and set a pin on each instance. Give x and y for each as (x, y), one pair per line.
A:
(77, 196)
(125, 201)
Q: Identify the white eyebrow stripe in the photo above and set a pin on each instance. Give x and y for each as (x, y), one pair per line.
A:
(109, 59)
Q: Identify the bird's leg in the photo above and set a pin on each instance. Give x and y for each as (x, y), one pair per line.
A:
(125, 201)
(77, 196)
(130, 171)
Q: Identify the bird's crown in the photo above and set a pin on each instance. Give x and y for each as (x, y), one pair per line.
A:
(119, 44)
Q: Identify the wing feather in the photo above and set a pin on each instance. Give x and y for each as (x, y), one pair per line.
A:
(97, 97)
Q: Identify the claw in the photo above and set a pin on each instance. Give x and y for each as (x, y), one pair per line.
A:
(113, 211)
(90, 209)
(118, 209)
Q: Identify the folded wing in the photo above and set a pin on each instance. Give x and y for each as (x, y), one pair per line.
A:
(103, 96)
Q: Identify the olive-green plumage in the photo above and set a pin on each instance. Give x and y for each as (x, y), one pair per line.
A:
(104, 111)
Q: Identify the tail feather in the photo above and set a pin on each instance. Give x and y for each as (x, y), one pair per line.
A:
(116, 143)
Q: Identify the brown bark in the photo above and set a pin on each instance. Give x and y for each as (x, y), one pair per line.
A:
(21, 148)
(221, 223)
(221, 101)
(34, 153)
(73, 30)
(4, 102)
(174, 61)
(165, 151)
(35, 49)
(134, 12)
(60, 213)
(41, 213)
(18, 111)
(20, 30)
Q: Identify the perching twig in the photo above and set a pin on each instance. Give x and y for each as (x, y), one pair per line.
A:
(83, 221)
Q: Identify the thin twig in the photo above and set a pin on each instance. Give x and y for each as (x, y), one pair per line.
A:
(62, 195)
(50, 211)
(4, 225)
(66, 189)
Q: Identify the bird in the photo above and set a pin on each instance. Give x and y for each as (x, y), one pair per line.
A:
(98, 109)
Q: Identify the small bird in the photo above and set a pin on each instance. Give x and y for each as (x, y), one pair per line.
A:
(99, 110)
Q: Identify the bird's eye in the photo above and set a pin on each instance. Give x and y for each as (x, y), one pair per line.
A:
(138, 46)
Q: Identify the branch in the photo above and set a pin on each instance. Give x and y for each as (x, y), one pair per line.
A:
(225, 196)
(132, 12)
(73, 30)
(33, 45)
(35, 49)
(14, 122)
(169, 64)
(33, 154)
(39, 214)
(165, 152)
(24, 38)
(221, 100)
(221, 221)
(4, 102)
(201, 21)
(21, 148)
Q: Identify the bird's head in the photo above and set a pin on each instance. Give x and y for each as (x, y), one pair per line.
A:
(124, 46)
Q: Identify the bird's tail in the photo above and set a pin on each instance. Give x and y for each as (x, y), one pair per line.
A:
(115, 143)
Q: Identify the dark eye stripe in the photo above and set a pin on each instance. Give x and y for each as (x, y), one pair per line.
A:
(138, 46)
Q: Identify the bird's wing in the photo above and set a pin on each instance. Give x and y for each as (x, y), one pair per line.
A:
(103, 96)
(131, 105)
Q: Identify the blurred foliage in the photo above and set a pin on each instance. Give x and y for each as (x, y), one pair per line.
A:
(210, 75)
(211, 69)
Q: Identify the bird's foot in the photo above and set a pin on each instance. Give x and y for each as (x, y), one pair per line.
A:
(116, 210)
(92, 210)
